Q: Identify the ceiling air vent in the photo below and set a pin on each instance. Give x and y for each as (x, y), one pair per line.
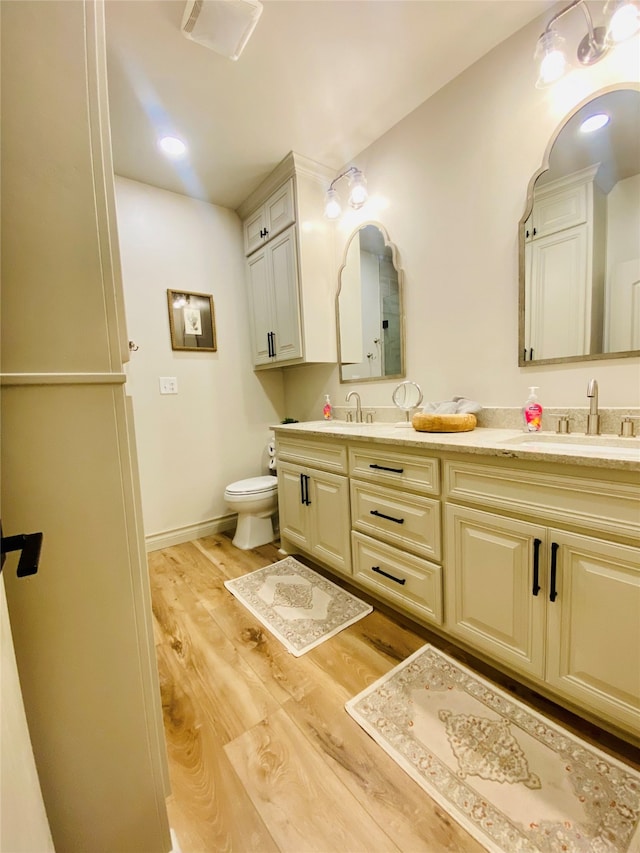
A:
(221, 25)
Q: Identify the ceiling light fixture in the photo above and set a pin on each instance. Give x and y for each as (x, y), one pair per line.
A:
(172, 146)
(624, 22)
(357, 193)
(594, 122)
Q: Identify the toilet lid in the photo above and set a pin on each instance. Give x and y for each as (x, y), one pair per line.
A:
(253, 486)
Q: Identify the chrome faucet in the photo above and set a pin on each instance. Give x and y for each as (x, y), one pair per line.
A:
(358, 405)
(593, 418)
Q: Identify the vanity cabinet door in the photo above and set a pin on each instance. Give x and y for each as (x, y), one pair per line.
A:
(314, 514)
(292, 510)
(330, 519)
(593, 642)
(495, 596)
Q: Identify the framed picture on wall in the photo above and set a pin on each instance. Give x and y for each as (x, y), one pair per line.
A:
(192, 321)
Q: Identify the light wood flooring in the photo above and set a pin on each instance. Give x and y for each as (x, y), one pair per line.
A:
(262, 755)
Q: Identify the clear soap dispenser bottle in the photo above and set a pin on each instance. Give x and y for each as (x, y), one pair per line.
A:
(327, 409)
(532, 411)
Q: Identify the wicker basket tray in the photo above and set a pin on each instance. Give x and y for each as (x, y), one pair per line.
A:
(428, 422)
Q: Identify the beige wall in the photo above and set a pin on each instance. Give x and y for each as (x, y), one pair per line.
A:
(449, 182)
(215, 430)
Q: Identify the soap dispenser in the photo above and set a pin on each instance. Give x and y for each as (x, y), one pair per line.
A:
(532, 411)
(327, 410)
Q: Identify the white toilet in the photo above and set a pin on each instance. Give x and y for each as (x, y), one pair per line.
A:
(256, 501)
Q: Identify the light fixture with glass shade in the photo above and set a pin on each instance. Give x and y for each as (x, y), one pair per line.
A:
(624, 21)
(358, 194)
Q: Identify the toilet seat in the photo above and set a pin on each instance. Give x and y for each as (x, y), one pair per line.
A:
(253, 486)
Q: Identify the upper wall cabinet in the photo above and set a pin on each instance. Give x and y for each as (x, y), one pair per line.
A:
(270, 219)
(580, 239)
(290, 278)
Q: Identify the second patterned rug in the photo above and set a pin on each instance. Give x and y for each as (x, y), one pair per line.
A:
(297, 605)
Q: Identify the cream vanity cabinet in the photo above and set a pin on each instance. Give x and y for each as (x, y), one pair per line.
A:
(540, 593)
(396, 523)
(289, 266)
(564, 268)
(313, 501)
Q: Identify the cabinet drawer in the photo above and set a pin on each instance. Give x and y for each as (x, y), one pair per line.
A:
(318, 454)
(403, 580)
(610, 507)
(409, 471)
(411, 522)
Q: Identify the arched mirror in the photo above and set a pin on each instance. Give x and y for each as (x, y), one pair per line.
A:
(369, 308)
(580, 239)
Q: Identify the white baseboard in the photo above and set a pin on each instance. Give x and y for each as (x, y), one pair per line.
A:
(156, 541)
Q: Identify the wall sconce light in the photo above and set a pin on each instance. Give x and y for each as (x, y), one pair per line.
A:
(357, 193)
(624, 22)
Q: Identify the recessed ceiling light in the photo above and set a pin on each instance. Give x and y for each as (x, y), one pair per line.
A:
(594, 122)
(172, 146)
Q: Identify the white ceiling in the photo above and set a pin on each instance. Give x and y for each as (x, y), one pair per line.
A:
(324, 78)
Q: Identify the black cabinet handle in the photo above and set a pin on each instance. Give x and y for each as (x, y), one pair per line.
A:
(388, 517)
(269, 353)
(29, 545)
(306, 476)
(553, 593)
(271, 344)
(535, 231)
(525, 354)
(304, 489)
(531, 354)
(383, 468)
(377, 569)
(536, 565)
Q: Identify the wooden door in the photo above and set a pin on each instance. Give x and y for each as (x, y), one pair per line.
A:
(593, 642)
(489, 586)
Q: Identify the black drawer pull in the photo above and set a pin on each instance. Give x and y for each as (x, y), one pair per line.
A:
(387, 575)
(388, 517)
(383, 468)
(536, 565)
(553, 594)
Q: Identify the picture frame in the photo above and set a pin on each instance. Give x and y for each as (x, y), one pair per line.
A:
(192, 321)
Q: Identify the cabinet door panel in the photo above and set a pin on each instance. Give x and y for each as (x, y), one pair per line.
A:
(331, 519)
(489, 580)
(259, 306)
(557, 211)
(292, 512)
(254, 231)
(279, 210)
(286, 300)
(594, 626)
(560, 292)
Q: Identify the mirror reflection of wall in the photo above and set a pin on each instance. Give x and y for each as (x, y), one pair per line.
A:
(370, 321)
(580, 267)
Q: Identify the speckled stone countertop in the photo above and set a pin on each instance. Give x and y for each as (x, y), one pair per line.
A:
(603, 451)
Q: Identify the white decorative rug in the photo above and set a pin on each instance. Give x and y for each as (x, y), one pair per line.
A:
(512, 778)
(297, 605)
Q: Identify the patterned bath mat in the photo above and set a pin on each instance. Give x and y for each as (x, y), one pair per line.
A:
(512, 778)
(300, 607)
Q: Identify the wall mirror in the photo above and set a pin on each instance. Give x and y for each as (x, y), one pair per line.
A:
(369, 308)
(580, 239)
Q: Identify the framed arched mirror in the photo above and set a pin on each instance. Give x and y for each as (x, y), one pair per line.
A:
(580, 238)
(369, 308)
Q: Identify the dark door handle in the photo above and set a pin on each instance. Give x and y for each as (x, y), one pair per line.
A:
(388, 517)
(383, 468)
(377, 569)
(29, 544)
(306, 489)
(536, 566)
(553, 592)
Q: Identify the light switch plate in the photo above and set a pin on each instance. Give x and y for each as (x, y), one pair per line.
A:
(168, 384)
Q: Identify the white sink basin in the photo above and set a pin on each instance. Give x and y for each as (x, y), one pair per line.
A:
(586, 445)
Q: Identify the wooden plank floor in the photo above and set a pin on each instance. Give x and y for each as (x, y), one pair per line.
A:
(262, 755)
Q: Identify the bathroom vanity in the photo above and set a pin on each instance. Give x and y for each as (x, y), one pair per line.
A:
(522, 549)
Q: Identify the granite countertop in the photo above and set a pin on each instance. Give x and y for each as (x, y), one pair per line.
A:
(604, 451)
